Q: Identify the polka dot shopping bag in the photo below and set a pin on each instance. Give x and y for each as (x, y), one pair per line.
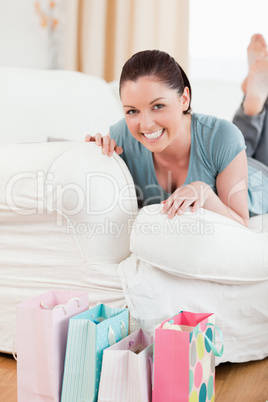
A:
(184, 362)
(89, 334)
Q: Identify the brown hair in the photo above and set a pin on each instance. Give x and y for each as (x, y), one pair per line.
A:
(159, 64)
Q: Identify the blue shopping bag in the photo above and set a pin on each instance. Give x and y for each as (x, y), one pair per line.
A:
(89, 334)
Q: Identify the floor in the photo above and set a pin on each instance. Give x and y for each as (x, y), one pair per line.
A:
(243, 382)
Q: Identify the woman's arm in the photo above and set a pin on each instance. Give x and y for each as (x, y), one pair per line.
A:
(232, 189)
(231, 200)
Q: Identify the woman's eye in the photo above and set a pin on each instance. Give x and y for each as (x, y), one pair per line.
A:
(158, 106)
(132, 111)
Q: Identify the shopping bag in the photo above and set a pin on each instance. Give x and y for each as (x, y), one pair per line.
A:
(126, 370)
(89, 334)
(184, 363)
(42, 328)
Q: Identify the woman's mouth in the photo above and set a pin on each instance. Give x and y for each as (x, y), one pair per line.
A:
(155, 135)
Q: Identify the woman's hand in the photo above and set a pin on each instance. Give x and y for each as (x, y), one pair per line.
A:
(230, 200)
(194, 195)
(108, 144)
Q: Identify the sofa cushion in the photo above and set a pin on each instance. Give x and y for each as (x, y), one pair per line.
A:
(36, 104)
(204, 245)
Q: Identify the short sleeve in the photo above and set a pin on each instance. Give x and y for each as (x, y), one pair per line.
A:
(119, 132)
(228, 142)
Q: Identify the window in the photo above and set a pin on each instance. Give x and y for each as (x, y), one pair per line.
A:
(220, 31)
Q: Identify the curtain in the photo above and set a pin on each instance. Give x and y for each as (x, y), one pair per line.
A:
(102, 34)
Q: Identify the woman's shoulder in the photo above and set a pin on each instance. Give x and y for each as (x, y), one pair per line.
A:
(216, 129)
(211, 121)
(218, 141)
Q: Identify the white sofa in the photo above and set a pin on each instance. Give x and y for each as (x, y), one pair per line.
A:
(69, 220)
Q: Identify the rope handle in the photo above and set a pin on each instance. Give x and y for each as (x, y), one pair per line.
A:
(213, 347)
(111, 334)
(13, 347)
(44, 306)
(63, 306)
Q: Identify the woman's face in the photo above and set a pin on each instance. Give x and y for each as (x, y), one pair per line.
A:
(154, 112)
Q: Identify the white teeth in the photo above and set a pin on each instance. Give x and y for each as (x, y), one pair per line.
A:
(153, 136)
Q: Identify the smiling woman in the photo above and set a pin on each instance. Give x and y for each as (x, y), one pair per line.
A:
(175, 157)
(150, 121)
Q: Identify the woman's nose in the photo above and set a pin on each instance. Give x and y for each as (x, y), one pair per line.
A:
(146, 122)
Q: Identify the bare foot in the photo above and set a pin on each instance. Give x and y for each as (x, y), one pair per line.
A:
(244, 85)
(257, 48)
(256, 87)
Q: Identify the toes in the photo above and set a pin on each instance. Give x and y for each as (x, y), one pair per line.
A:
(258, 38)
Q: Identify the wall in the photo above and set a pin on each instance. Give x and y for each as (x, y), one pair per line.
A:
(23, 41)
(220, 32)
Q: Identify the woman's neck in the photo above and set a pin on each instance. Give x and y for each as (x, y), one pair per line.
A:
(178, 152)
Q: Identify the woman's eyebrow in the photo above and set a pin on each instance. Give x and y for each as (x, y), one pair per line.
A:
(153, 101)
(157, 99)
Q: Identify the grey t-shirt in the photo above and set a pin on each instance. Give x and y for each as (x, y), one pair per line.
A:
(214, 144)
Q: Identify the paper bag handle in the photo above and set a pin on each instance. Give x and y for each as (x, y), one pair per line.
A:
(13, 347)
(213, 347)
(44, 306)
(111, 335)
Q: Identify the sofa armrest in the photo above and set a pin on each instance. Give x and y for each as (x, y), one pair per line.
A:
(82, 193)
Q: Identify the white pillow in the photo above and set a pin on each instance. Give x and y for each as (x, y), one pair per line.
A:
(259, 223)
(203, 245)
(64, 104)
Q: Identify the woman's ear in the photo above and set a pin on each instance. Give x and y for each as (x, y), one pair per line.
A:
(185, 99)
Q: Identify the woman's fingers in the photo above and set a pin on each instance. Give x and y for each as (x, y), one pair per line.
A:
(196, 205)
(89, 138)
(118, 150)
(169, 202)
(178, 207)
(112, 147)
(180, 201)
(108, 145)
(98, 139)
(190, 200)
(94, 138)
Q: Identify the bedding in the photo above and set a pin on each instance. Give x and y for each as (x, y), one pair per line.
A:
(56, 248)
(49, 240)
(223, 268)
(241, 310)
(204, 245)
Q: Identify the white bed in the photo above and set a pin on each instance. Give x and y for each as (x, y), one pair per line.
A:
(223, 271)
(49, 240)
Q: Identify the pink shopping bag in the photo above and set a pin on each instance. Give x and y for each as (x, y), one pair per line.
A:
(184, 363)
(126, 370)
(42, 327)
